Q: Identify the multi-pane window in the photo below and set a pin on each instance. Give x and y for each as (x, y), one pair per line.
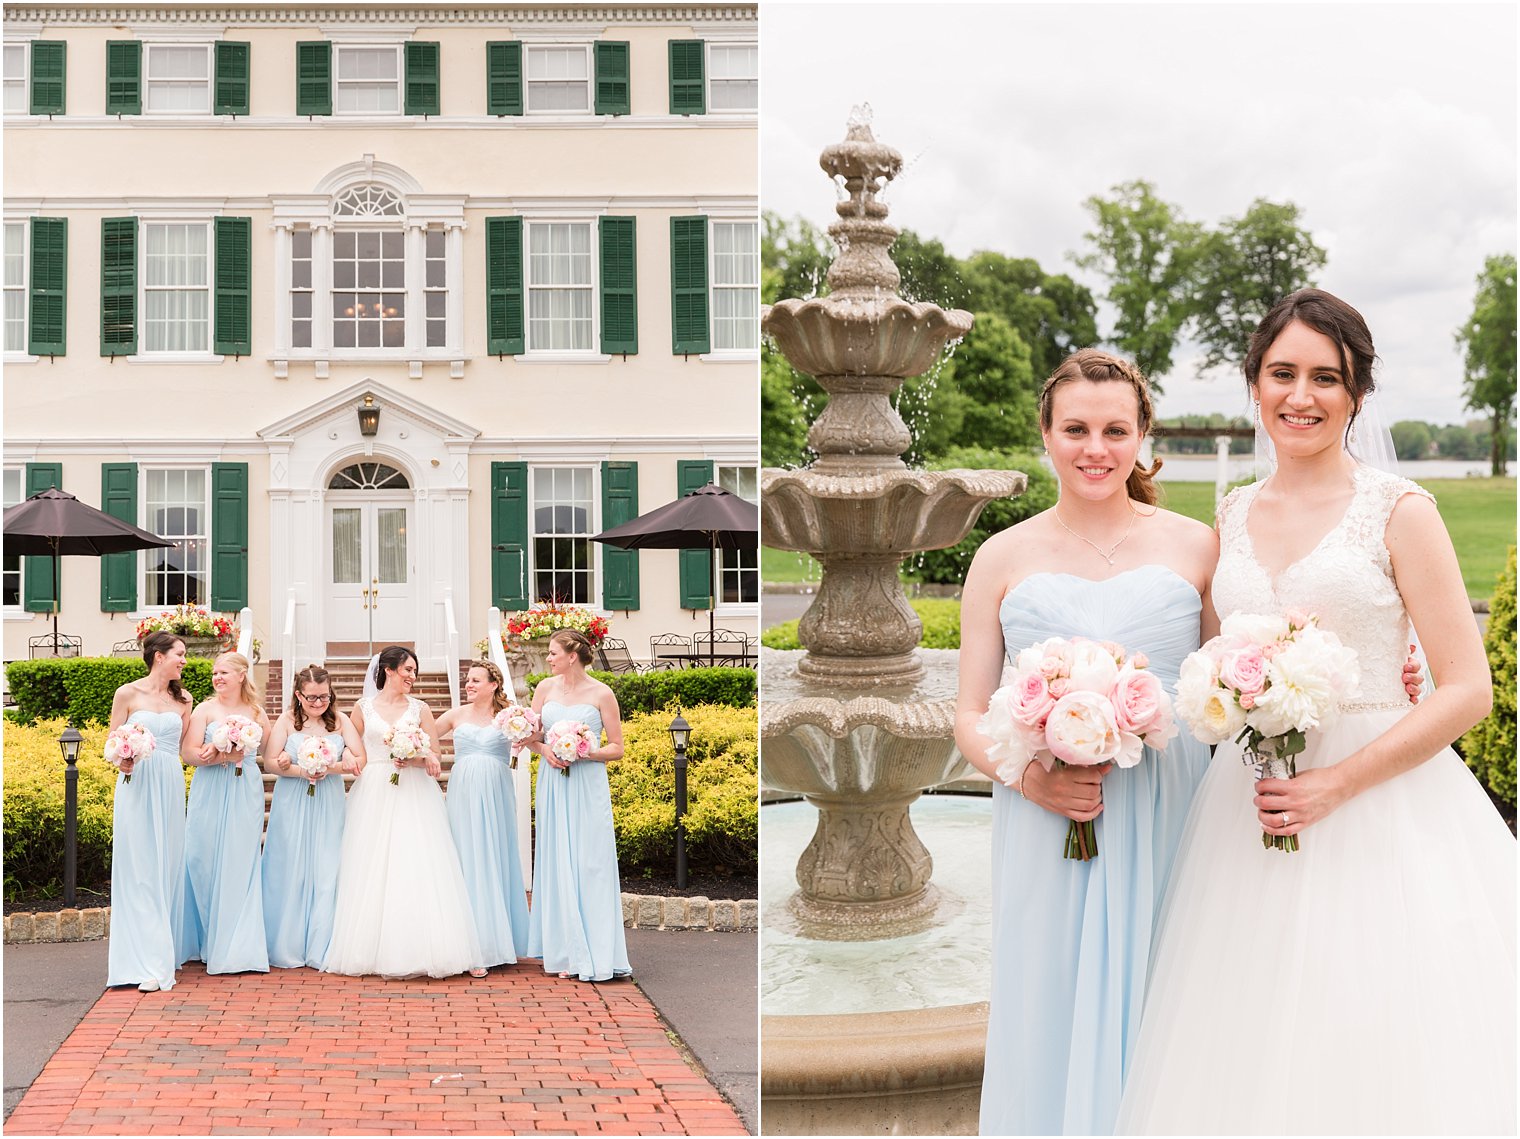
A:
(435, 288)
(15, 79)
(369, 289)
(15, 288)
(561, 286)
(177, 78)
(558, 78)
(739, 579)
(733, 77)
(10, 575)
(175, 507)
(563, 522)
(176, 287)
(366, 80)
(300, 288)
(736, 285)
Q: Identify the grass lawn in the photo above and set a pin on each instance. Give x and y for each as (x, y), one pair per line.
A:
(1479, 513)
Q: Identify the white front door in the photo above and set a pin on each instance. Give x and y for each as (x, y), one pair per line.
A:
(371, 569)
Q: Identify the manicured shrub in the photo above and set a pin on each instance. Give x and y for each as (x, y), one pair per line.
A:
(34, 783)
(941, 617)
(1490, 746)
(82, 688)
(675, 688)
(948, 567)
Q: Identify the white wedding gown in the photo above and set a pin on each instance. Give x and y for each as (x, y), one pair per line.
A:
(1366, 983)
(402, 906)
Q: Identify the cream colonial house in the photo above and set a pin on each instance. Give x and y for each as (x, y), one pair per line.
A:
(380, 311)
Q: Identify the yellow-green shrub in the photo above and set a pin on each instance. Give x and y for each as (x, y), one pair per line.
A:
(34, 780)
(1490, 746)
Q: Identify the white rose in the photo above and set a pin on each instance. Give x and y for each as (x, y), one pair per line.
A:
(1198, 692)
(1258, 628)
(1092, 668)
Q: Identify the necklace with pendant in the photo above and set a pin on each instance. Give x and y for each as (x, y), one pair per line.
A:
(1108, 554)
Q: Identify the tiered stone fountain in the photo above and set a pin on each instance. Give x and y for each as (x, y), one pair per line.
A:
(861, 722)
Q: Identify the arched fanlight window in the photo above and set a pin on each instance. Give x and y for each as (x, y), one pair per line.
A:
(368, 476)
(367, 202)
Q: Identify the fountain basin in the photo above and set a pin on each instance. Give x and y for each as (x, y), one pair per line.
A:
(856, 334)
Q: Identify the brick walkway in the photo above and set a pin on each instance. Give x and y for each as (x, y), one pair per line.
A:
(302, 1052)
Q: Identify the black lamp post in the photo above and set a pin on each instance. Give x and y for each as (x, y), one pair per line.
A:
(680, 733)
(68, 743)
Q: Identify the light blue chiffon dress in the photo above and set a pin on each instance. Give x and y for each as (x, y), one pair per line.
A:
(1071, 940)
(482, 810)
(147, 941)
(301, 852)
(224, 897)
(576, 923)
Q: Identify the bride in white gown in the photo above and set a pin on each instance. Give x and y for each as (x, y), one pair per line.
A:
(1366, 983)
(402, 908)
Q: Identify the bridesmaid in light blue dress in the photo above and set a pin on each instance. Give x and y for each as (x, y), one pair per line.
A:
(305, 837)
(576, 923)
(224, 904)
(146, 943)
(482, 808)
(1071, 939)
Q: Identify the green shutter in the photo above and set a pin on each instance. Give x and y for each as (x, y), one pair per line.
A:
(314, 77)
(422, 67)
(47, 97)
(123, 77)
(509, 536)
(37, 572)
(620, 309)
(232, 67)
(612, 77)
(118, 286)
(688, 83)
(118, 572)
(688, 284)
(504, 91)
(229, 536)
(47, 300)
(620, 503)
(696, 565)
(504, 287)
(234, 319)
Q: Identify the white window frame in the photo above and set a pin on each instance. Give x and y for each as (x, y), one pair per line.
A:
(737, 608)
(716, 353)
(149, 49)
(593, 287)
(21, 81)
(339, 49)
(709, 78)
(595, 581)
(429, 291)
(143, 571)
(175, 355)
(20, 496)
(530, 49)
(381, 228)
(21, 355)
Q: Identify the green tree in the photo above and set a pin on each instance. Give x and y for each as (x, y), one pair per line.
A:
(1411, 438)
(1487, 340)
(1053, 314)
(1458, 442)
(991, 368)
(1145, 249)
(797, 254)
(929, 273)
(1245, 267)
(783, 412)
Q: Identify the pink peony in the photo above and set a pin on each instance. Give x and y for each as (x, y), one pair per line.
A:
(1139, 700)
(1032, 700)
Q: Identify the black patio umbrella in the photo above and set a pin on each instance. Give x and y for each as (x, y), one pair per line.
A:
(709, 518)
(54, 522)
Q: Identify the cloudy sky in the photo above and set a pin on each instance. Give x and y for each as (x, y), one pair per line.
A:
(1391, 126)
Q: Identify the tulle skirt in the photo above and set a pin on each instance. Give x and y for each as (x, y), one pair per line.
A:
(1363, 985)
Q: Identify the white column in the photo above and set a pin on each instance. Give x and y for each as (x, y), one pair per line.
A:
(453, 252)
(1222, 468)
(416, 298)
(321, 288)
(281, 287)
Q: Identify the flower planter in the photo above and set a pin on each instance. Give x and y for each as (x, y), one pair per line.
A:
(199, 646)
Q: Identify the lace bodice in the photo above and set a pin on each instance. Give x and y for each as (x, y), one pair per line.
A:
(1346, 581)
(375, 727)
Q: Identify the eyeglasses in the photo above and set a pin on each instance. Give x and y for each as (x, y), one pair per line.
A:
(319, 698)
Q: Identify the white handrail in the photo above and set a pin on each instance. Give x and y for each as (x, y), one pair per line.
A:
(451, 646)
(522, 777)
(245, 632)
(288, 646)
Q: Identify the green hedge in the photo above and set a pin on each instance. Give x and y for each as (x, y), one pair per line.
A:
(941, 617)
(674, 688)
(34, 781)
(1490, 746)
(948, 567)
(82, 688)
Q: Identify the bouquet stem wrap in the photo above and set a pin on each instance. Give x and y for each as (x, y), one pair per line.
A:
(1274, 758)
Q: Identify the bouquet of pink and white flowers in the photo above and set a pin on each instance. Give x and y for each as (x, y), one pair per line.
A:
(314, 757)
(405, 741)
(1266, 680)
(1079, 702)
(569, 740)
(237, 732)
(128, 743)
(517, 724)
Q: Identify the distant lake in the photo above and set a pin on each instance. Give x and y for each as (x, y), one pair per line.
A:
(1201, 468)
